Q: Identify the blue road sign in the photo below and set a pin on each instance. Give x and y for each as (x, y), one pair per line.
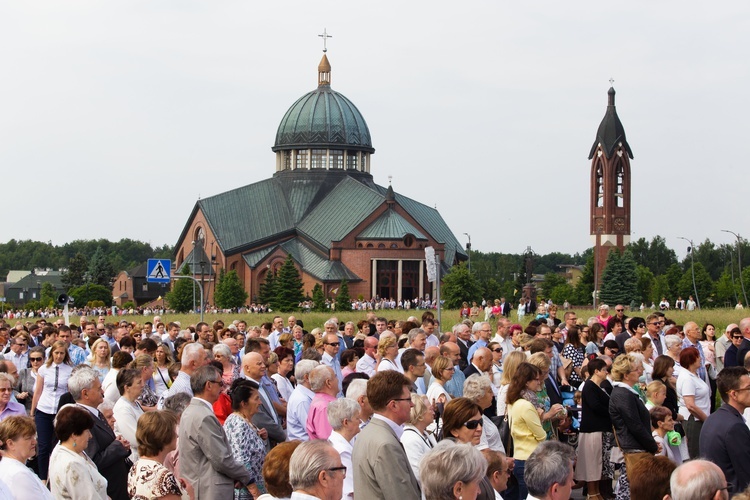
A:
(159, 271)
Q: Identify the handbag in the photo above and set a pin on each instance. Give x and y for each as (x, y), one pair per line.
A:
(507, 439)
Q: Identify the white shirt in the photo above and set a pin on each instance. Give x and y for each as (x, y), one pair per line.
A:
(689, 384)
(398, 429)
(22, 481)
(344, 448)
(367, 364)
(416, 445)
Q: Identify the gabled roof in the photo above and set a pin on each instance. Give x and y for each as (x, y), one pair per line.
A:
(193, 260)
(338, 214)
(611, 133)
(30, 280)
(247, 214)
(311, 261)
(390, 226)
(16, 276)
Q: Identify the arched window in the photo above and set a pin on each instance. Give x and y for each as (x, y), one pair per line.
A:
(619, 193)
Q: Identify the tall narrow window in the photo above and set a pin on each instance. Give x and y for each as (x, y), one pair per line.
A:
(337, 159)
(599, 185)
(351, 160)
(619, 193)
(287, 160)
(318, 159)
(302, 158)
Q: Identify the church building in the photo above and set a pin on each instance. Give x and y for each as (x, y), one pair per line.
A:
(322, 207)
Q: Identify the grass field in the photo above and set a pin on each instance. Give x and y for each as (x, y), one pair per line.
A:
(720, 318)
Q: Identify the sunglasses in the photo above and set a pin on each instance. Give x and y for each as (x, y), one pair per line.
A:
(620, 310)
(35, 359)
(332, 344)
(473, 424)
(736, 336)
(498, 349)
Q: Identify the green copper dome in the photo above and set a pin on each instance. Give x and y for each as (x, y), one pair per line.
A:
(323, 119)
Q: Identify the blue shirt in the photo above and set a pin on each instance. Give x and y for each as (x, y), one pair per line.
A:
(455, 386)
(297, 409)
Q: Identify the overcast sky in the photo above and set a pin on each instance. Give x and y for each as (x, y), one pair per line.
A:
(115, 117)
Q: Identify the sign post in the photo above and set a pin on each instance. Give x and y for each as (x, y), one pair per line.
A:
(433, 275)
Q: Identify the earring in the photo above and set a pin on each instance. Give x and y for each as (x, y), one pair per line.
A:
(75, 444)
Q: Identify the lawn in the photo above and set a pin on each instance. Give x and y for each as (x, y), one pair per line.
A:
(720, 318)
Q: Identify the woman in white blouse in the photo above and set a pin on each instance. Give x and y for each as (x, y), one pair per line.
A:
(693, 398)
(127, 410)
(388, 352)
(18, 438)
(416, 439)
(51, 383)
(442, 372)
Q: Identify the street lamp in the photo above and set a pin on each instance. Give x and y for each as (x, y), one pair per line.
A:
(692, 268)
(468, 249)
(739, 261)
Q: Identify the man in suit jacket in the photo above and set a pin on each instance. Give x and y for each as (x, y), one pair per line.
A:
(205, 456)
(481, 364)
(725, 438)
(109, 453)
(381, 467)
(463, 339)
(253, 368)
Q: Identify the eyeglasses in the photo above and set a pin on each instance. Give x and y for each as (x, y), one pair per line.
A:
(6, 389)
(35, 359)
(401, 399)
(641, 325)
(342, 468)
(473, 424)
(498, 349)
(620, 310)
(451, 369)
(220, 382)
(736, 336)
(332, 344)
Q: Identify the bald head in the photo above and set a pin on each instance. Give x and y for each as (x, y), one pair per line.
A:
(697, 480)
(745, 327)
(371, 342)
(253, 365)
(451, 351)
(482, 359)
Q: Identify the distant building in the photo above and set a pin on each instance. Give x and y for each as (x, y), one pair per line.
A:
(321, 207)
(30, 286)
(131, 286)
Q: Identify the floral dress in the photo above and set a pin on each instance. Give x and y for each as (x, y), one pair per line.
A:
(541, 400)
(150, 479)
(248, 449)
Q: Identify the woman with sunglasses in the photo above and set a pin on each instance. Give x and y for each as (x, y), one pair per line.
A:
(524, 419)
(51, 383)
(27, 377)
(497, 363)
(730, 357)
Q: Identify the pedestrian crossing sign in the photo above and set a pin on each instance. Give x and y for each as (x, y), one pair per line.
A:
(159, 271)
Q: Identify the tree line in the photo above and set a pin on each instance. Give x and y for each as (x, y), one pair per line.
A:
(644, 273)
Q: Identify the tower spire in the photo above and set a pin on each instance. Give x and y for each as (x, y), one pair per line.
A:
(324, 68)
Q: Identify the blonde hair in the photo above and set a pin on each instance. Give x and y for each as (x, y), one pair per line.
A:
(510, 364)
(621, 366)
(654, 388)
(385, 343)
(540, 360)
(441, 363)
(419, 410)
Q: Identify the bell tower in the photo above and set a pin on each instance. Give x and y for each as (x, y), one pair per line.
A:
(610, 188)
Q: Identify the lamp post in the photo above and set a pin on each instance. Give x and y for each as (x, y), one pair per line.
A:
(468, 249)
(739, 261)
(192, 271)
(692, 268)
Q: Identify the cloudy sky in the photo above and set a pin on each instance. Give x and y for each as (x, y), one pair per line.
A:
(115, 117)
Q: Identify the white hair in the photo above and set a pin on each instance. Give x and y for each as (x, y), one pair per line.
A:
(357, 388)
(303, 368)
(340, 410)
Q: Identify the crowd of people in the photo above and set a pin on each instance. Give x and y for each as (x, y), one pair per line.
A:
(377, 409)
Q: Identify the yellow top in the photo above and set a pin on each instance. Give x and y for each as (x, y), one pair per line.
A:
(526, 429)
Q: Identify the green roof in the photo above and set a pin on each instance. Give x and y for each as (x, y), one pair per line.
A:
(347, 205)
(248, 214)
(390, 226)
(311, 261)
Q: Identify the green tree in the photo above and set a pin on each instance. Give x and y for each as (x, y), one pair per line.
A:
(619, 279)
(584, 289)
(491, 289)
(180, 298)
(47, 296)
(318, 298)
(725, 290)
(267, 289)
(654, 255)
(561, 293)
(288, 287)
(86, 294)
(645, 283)
(101, 271)
(343, 301)
(552, 280)
(703, 283)
(75, 275)
(229, 293)
(661, 289)
(673, 275)
(458, 286)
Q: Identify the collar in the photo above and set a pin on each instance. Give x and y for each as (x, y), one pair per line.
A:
(210, 406)
(397, 429)
(337, 439)
(91, 409)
